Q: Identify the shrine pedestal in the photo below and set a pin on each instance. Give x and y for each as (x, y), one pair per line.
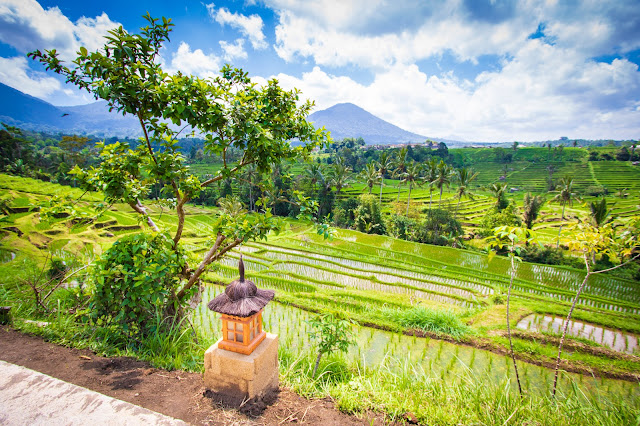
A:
(238, 377)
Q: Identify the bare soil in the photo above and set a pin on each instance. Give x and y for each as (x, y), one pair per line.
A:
(178, 394)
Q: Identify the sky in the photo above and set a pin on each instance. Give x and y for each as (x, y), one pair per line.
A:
(473, 70)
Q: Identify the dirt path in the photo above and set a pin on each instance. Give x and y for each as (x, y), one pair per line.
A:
(175, 393)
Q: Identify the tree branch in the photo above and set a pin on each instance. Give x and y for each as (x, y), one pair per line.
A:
(220, 177)
(139, 208)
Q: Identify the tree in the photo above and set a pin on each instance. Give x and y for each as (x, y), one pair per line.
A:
(313, 173)
(565, 196)
(370, 175)
(331, 334)
(385, 164)
(498, 190)
(230, 111)
(600, 213)
(400, 165)
(368, 217)
(443, 178)
(464, 177)
(531, 208)
(340, 175)
(431, 170)
(509, 238)
(590, 241)
(413, 176)
(514, 146)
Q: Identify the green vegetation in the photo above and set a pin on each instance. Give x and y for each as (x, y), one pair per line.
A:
(85, 275)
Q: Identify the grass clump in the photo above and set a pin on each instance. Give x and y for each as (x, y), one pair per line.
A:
(439, 322)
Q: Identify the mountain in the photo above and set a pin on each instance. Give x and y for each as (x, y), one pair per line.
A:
(25, 111)
(350, 121)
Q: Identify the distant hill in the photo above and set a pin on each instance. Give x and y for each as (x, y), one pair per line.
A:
(350, 121)
(25, 111)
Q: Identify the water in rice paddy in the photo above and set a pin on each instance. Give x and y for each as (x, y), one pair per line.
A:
(439, 359)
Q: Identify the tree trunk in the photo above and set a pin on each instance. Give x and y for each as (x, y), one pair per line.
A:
(455, 216)
(408, 200)
(398, 197)
(566, 324)
(560, 229)
(381, 183)
(513, 355)
(440, 200)
(430, 195)
(317, 363)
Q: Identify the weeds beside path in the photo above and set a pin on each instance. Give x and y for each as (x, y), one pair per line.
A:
(177, 394)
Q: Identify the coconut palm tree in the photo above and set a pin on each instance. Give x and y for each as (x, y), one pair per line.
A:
(385, 163)
(340, 175)
(464, 177)
(498, 191)
(231, 205)
(313, 172)
(600, 213)
(531, 206)
(431, 173)
(370, 175)
(443, 178)
(413, 176)
(400, 165)
(249, 175)
(565, 196)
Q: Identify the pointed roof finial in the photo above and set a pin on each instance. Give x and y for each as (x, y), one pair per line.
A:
(241, 269)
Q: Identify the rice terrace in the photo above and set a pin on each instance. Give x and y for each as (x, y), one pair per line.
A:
(417, 280)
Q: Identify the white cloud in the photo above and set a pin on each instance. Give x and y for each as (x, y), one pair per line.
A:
(194, 62)
(26, 26)
(233, 50)
(543, 92)
(249, 26)
(15, 72)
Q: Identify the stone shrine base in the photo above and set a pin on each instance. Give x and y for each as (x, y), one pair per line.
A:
(237, 378)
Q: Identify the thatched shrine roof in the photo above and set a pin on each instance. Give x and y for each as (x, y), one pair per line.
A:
(241, 298)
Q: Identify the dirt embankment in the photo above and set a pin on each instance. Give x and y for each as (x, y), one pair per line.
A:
(175, 393)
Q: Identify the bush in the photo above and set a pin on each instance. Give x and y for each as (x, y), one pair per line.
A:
(440, 227)
(402, 227)
(134, 280)
(549, 256)
(368, 217)
(344, 214)
(495, 218)
(429, 320)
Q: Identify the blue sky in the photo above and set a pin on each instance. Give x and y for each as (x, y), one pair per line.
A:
(476, 70)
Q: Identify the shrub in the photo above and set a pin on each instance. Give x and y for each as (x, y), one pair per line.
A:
(440, 227)
(368, 217)
(496, 218)
(549, 256)
(429, 320)
(344, 213)
(134, 280)
(402, 227)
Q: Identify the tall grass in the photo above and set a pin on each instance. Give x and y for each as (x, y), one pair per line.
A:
(440, 322)
(396, 387)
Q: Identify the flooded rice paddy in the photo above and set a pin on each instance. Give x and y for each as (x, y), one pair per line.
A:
(439, 359)
(613, 339)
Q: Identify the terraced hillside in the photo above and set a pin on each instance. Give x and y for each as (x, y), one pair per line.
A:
(364, 277)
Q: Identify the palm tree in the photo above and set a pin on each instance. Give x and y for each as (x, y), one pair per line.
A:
(385, 163)
(498, 191)
(231, 205)
(412, 177)
(431, 170)
(565, 196)
(400, 165)
(531, 208)
(443, 178)
(600, 213)
(249, 174)
(313, 172)
(340, 177)
(464, 177)
(370, 175)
